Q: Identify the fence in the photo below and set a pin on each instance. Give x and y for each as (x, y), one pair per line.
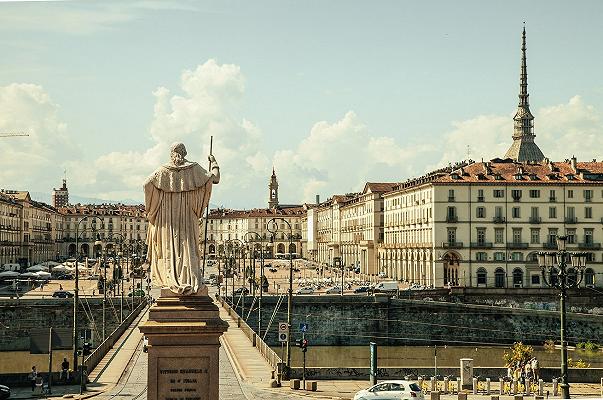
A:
(269, 355)
(97, 355)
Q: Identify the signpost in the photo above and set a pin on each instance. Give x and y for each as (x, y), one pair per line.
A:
(283, 337)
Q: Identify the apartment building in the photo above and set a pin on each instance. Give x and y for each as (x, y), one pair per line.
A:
(11, 214)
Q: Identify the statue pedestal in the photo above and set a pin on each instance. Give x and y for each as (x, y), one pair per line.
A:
(183, 341)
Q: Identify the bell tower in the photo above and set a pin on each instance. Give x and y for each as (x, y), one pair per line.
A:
(273, 191)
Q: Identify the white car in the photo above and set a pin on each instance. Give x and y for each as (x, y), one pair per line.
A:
(334, 289)
(404, 390)
(305, 290)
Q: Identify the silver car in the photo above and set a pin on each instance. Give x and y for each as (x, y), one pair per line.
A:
(390, 390)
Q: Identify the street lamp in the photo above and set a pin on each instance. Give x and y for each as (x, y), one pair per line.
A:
(118, 270)
(258, 238)
(76, 288)
(290, 294)
(560, 279)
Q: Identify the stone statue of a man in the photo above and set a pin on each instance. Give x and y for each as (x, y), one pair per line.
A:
(176, 195)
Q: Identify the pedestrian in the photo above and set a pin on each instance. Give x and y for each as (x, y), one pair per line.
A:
(64, 369)
(33, 375)
(535, 369)
(60, 287)
(528, 370)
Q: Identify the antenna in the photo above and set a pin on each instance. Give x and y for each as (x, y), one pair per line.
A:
(13, 134)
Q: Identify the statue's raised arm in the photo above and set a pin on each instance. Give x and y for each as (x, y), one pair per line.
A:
(176, 195)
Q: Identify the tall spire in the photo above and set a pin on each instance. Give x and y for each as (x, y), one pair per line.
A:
(523, 147)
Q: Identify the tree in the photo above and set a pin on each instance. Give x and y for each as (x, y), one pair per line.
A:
(519, 354)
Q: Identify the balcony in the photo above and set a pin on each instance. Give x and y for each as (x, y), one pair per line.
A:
(499, 220)
(482, 245)
(550, 246)
(517, 245)
(452, 218)
(480, 199)
(589, 246)
(535, 220)
(452, 245)
(571, 220)
(451, 199)
(552, 199)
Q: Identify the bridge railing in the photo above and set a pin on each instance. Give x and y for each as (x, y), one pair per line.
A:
(97, 355)
(269, 355)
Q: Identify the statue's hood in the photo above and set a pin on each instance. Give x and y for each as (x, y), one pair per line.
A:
(178, 178)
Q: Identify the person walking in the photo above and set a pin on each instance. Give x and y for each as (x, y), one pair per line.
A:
(64, 369)
(33, 376)
(535, 369)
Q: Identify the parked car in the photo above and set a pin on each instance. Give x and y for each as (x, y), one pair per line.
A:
(145, 344)
(404, 390)
(362, 289)
(242, 290)
(388, 286)
(62, 294)
(4, 392)
(63, 276)
(333, 290)
(305, 290)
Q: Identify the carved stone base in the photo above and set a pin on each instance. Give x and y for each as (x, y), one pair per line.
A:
(183, 341)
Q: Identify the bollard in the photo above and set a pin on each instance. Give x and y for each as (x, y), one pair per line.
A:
(459, 385)
(555, 387)
(294, 384)
(433, 384)
(487, 386)
(435, 395)
(541, 387)
(514, 387)
(462, 396)
(474, 385)
(445, 385)
(501, 388)
(311, 386)
(528, 386)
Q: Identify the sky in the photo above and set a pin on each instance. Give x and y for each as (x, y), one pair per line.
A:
(332, 94)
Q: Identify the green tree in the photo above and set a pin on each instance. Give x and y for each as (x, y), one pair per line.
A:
(518, 353)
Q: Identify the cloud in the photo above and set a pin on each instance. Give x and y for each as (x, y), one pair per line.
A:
(29, 162)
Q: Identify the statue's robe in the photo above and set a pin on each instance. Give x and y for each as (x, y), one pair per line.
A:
(175, 198)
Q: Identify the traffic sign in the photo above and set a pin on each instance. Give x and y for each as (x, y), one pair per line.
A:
(283, 336)
(303, 327)
(283, 327)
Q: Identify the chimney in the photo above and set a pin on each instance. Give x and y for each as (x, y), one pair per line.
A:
(574, 164)
(317, 199)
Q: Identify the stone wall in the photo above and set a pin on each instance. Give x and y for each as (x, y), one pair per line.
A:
(358, 320)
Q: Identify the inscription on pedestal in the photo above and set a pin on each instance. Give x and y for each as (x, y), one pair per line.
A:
(185, 378)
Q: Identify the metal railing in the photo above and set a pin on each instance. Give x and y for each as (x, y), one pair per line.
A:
(269, 355)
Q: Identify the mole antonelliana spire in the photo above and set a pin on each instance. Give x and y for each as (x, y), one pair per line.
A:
(523, 147)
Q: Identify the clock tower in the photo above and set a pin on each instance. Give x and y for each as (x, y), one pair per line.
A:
(273, 191)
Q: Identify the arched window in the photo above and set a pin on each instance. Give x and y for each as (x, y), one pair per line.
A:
(482, 277)
(292, 248)
(517, 277)
(499, 278)
(280, 248)
(589, 277)
(572, 277)
(212, 249)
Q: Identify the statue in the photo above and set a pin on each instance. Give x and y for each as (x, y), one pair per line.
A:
(175, 196)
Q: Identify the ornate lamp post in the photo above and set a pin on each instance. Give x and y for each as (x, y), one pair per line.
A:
(76, 288)
(118, 271)
(555, 275)
(290, 293)
(259, 238)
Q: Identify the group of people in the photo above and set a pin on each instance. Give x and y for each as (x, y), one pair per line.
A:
(36, 379)
(523, 370)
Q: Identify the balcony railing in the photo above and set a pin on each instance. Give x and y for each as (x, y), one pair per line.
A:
(552, 199)
(571, 220)
(517, 245)
(498, 220)
(451, 199)
(482, 245)
(452, 218)
(452, 245)
(480, 199)
(535, 220)
(589, 245)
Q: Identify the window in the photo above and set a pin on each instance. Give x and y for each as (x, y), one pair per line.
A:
(451, 235)
(535, 279)
(588, 236)
(499, 256)
(552, 212)
(498, 212)
(534, 194)
(451, 212)
(552, 196)
(481, 256)
(499, 278)
(516, 194)
(534, 236)
(534, 213)
(571, 236)
(451, 195)
(481, 236)
(589, 277)
(516, 235)
(517, 277)
(498, 193)
(570, 194)
(552, 236)
(588, 196)
(516, 256)
(499, 235)
(588, 212)
(480, 195)
(515, 212)
(482, 276)
(480, 212)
